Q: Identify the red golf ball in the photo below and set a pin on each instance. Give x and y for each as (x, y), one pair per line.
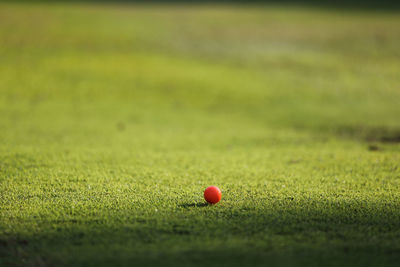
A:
(212, 194)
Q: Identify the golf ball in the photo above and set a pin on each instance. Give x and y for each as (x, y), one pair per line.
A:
(212, 194)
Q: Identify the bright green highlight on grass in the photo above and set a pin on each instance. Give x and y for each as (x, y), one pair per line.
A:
(114, 119)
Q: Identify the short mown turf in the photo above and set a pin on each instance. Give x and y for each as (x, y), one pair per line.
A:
(115, 118)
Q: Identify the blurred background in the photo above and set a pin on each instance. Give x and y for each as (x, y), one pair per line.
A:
(199, 68)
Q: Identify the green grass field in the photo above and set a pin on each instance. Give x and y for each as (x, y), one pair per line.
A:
(115, 118)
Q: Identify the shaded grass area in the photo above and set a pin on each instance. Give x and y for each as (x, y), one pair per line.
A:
(285, 231)
(115, 118)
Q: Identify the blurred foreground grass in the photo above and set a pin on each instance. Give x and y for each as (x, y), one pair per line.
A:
(114, 118)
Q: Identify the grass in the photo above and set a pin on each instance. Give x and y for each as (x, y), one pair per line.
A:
(115, 118)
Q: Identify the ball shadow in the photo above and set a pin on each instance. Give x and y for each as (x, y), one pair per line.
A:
(194, 205)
